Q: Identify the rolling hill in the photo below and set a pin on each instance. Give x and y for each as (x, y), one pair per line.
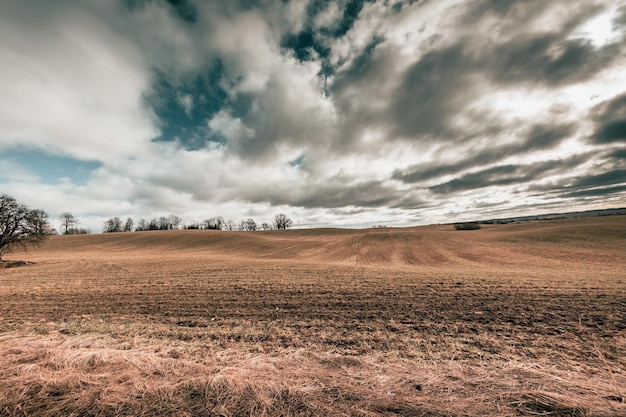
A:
(520, 319)
(601, 239)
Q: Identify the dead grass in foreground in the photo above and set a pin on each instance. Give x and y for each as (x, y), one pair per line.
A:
(62, 376)
(517, 320)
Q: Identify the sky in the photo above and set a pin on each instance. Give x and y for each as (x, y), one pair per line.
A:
(347, 113)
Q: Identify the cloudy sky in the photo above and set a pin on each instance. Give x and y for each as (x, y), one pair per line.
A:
(338, 113)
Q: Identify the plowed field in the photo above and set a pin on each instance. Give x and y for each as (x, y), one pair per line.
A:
(518, 319)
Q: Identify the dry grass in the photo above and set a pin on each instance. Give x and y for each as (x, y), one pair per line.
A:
(509, 320)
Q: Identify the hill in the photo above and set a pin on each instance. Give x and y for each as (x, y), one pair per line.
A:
(520, 319)
(572, 240)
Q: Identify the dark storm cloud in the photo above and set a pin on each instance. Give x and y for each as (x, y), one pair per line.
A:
(357, 91)
(610, 121)
(614, 131)
(430, 92)
(617, 176)
(427, 96)
(596, 192)
(620, 19)
(605, 184)
(612, 180)
(369, 194)
(365, 66)
(552, 58)
(540, 137)
(501, 175)
(502, 8)
(339, 192)
(548, 59)
(619, 155)
(506, 175)
(441, 84)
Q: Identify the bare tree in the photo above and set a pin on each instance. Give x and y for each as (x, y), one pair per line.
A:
(163, 223)
(266, 226)
(41, 224)
(193, 225)
(128, 226)
(152, 225)
(281, 221)
(174, 221)
(142, 225)
(113, 225)
(170, 222)
(68, 223)
(20, 226)
(251, 225)
(215, 223)
(231, 226)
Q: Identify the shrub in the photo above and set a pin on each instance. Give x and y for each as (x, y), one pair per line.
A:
(467, 226)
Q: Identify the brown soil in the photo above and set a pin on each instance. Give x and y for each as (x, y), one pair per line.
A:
(518, 319)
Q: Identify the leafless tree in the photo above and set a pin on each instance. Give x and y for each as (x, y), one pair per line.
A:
(266, 226)
(113, 225)
(153, 225)
(41, 224)
(215, 223)
(164, 223)
(193, 225)
(69, 223)
(20, 226)
(174, 221)
(128, 226)
(170, 222)
(250, 225)
(231, 226)
(282, 221)
(142, 225)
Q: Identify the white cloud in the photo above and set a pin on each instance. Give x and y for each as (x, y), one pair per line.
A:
(600, 29)
(329, 17)
(229, 127)
(11, 171)
(70, 85)
(186, 100)
(248, 48)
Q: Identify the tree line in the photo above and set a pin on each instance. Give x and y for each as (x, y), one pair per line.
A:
(172, 222)
(69, 224)
(21, 226)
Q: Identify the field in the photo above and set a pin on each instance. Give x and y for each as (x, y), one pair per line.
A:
(510, 320)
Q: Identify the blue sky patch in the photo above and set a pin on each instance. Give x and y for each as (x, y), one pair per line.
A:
(298, 161)
(185, 109)
(52, 168)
